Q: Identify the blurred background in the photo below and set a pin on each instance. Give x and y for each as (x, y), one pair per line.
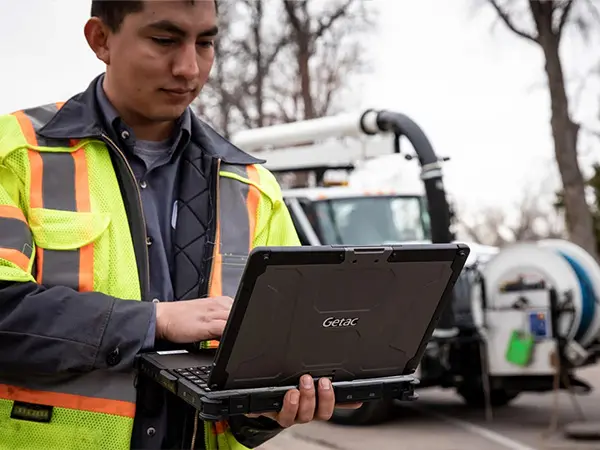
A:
(506, 91)
(477, 88)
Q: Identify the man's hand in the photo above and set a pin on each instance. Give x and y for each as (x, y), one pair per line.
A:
(300, 406)
(192, 320)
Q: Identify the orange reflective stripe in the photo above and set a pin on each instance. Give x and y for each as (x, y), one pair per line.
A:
(15, 257)
(82, 199)
(36, 166)
(50, 173)
(26, 127)
(220, 427)
(39, 261)
(82, 189)
(36, 200)
(211, 344)
(12, 212)
(216, 286)
(70, 401)
(237, 215)
(252, 203)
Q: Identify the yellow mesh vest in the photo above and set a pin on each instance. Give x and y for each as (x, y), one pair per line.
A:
(91, 233)
(96, 232)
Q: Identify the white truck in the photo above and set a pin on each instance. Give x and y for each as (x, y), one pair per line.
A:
(522, 317)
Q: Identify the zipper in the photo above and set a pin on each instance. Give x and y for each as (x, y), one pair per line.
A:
(138, 231)
(212, 232)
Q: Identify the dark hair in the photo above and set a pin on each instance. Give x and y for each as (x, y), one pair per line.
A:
(113, 12)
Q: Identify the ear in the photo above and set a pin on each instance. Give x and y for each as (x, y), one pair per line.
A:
(96, 34)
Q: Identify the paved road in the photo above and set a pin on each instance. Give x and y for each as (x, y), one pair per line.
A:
(439, 421)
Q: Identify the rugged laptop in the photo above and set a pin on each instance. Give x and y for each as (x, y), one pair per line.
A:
(361, 316)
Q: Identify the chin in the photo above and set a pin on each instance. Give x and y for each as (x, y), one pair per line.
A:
(168, 114)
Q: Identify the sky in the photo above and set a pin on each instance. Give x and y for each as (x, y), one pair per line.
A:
(476, 90)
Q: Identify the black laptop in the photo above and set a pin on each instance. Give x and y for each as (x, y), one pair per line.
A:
(360, 316)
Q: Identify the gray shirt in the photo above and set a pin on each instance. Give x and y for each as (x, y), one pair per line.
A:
(155, 166)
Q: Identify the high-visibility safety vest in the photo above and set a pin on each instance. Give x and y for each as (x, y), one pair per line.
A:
(67, 226)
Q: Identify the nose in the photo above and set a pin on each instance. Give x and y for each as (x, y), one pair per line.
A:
(186, 62)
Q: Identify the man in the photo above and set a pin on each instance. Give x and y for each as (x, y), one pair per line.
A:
(120, 195)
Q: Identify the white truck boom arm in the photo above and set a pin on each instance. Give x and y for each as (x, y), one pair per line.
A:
(295, 133)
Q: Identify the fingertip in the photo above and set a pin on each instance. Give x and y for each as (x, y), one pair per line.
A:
(326, 390)
(307, 383)
(287, 416)
(326, 400)
(325, 384)
(294, 397)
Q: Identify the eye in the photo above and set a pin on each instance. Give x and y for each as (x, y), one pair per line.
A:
(205, 44)
(163, 41)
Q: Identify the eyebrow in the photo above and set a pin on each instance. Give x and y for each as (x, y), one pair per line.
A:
(170, 27)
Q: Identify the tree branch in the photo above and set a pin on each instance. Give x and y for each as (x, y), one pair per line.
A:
(564, 17)
(326, 25)
(290, 8)
(589, 130)
(508, 22)
(594, 12)
(281, 44)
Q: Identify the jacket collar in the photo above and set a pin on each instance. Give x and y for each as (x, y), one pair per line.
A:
(80, 118)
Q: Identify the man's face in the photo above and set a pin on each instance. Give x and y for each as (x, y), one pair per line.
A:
(161, 57)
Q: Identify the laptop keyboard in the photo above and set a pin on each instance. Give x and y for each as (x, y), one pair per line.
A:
(197, 375)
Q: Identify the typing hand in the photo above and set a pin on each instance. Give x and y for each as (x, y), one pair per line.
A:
(192, 320)
(300, 406)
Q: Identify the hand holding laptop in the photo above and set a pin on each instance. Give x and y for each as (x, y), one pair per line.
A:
(300, 406)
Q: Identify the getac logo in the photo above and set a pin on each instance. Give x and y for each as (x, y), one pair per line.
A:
(331, 322)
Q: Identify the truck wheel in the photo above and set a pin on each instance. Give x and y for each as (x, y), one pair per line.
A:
(369, 413)
(475, 397)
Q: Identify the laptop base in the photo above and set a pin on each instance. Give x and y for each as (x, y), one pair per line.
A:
(177, 372)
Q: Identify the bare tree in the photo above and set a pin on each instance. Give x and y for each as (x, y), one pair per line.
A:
(531, 221)
(325, 34)
(215, 103)
(550, 19)
(248, 45)
(594, 185)
(283, 60)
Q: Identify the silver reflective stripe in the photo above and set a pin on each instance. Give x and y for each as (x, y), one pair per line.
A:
(234, 222)
(60, 267)
(15, 235)
(53, 174)
(241, 171)
(40, 116)
(231, 273)
(235, 227)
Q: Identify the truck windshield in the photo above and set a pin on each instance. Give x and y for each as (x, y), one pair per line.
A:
(371, 220)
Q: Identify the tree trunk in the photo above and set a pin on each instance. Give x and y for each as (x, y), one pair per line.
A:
(259, 64)
(305, 38)
(304, 70)
(579, 219)
(224, 105)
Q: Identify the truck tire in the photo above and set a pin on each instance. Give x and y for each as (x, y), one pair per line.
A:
(475, 398)
(370, 413)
